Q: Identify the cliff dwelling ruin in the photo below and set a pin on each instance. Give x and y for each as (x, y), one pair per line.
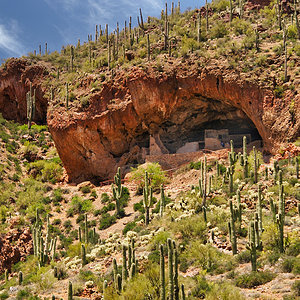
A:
(173, 149)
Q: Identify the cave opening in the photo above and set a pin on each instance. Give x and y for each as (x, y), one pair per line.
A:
(203, 124)
(212, 135)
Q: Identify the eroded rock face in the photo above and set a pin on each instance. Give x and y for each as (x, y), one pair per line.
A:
(120, 118)
(15, 246)
(15, 80)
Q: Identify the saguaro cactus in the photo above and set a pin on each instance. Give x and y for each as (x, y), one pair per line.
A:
(230, 173)
(20, 278)
(280, 218)
(199, 27)
(297, 167)
(119, 283)
(148, 46)
(83, 255)
(162, 274)
(182, 292)
(171, 273)
(162, 201)
(118, 191)
(285, 52)
(67, 95)
(252, 246)
(259, 209)
(256, 164)
(203, 182)
(72, 58)
(30, 99)
(231, 228)
(104, 289)
(124, 266)
(147, 198)
(175, 268)
(70, 291)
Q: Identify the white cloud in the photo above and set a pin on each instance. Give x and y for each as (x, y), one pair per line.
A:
(9, 41)
(82, 16)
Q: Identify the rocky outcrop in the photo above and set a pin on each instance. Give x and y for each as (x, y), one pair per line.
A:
(173, 103)
(15, 246)
(15, 78)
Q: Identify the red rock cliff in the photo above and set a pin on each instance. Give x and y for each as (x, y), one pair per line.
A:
(116, 125)
(15, 78)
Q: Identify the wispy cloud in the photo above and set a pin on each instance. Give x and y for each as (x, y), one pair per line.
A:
(82, 16)
(9, 40)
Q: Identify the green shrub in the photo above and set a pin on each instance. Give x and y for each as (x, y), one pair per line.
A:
(156, 175)
(253, 279)
(111, 206)
(160, 239)
(220, 5)
(56, 222)
(244, 257)
(129, 227)
(201, 288)
(57, 195)
(68, 224)
(4, 295)
(104, 198)
(291, 265)
(296, 287)
(223, 290)
(84, 102)
(270, 237)
(191, 228)
(45, 171)
(79, 205)
(85, 189)
(218, 30)
(208, 258)
(240, 26)
(94, 194)
(106, 221)
(29, 151)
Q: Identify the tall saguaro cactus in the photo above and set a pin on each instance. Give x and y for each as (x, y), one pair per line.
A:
(252, 246)
(147, 198)
(170, 267)
(70, 291)
(118, 191)
(30, 99)
(256, 165)
(203, 182)
(297, 168)
(162, 201)
(231, 228)
(280, 218)
(175, 269)
(162, 274)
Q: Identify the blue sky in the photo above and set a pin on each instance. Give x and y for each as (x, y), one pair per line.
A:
(26, 24)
